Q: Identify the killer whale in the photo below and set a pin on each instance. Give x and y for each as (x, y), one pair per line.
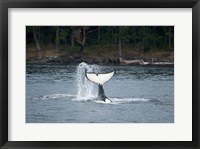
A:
(100, 79)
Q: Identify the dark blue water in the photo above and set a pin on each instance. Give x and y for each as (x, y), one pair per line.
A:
(140, 94)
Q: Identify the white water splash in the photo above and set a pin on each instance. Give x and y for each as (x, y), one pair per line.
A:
(85, 88)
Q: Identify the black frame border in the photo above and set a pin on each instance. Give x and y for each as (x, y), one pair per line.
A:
(6, 4)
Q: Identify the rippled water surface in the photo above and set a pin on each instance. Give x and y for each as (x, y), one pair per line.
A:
(62, 94)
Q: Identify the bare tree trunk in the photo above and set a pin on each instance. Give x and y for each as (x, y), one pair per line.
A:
(169, 38)
(72, 37)
(154, 43)
(135, 42)
(145, 35)
(36, 40)
(135, 33)
(143, 45)
(83, 44)
(120, 47)
(82, 39)
(146, 41)
(49, 41)
(120, 43)
(72, 40)
(143, 42)
(112, 36)
(39, 35)
(57, 38)
(99, 34)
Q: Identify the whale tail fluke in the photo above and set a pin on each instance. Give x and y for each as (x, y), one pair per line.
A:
(99, 78)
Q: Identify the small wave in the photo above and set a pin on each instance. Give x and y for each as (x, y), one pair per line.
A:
(103, 102)
(115, 100)
(129, 100)
(53, 96)
(91, 98)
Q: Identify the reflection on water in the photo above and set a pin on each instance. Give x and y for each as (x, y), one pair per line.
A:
(140, 94)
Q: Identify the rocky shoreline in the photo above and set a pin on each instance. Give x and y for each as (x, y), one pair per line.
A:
(75, 59)
(71, 60)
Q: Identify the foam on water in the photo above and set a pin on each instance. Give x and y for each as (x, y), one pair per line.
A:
(116, 100)
(56, 96)
(125, 100)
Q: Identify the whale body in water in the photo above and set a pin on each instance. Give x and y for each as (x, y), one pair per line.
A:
(100, 79)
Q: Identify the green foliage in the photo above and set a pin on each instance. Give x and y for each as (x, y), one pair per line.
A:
(63, 34)
(145, 37)
(147, 48)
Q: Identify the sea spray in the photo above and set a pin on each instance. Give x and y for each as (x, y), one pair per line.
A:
(85, 88)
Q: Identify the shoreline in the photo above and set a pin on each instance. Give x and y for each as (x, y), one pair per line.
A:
(102, 58)
(60, 61)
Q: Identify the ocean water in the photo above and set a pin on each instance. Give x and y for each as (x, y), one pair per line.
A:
(62, 94)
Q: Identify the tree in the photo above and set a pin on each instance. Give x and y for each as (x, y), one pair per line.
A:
(36, 39)
(57, 38)
(72, 36)
(99, 34)
(80, 36)
(120, 42)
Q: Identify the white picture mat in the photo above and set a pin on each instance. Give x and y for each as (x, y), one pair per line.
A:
(180, 130)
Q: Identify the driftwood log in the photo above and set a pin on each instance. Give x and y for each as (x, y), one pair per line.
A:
(134, 62)
(142, 62)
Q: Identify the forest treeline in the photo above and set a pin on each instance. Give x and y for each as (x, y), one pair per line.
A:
(78, 39)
